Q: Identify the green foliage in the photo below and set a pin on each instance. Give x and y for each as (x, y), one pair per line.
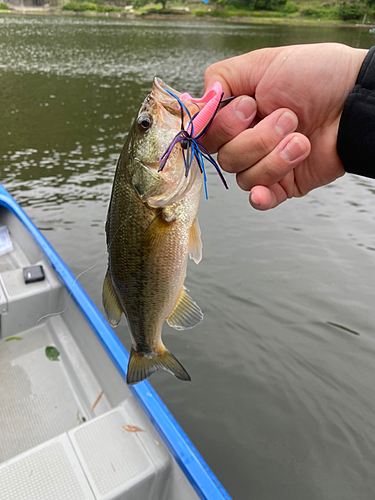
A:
(79, 7)
(165, 12)
(163, 3)
(290, 7)
(138, 4)
(89, 6)
(109, 8)
(351, 11)
(3, 6)
(231, 11)
(345, 11)
(219, 13)
(267, 14)
(242, 4)
(269, 4)
(317, 10)
(238, 12)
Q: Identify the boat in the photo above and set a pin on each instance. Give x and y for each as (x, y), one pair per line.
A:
(70, 427)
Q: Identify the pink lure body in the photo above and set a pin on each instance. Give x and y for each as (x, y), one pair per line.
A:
(211, 99)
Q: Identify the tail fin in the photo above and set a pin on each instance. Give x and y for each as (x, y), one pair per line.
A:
(140, 366)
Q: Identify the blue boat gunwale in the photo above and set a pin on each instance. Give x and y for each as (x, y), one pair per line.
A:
(201, 477)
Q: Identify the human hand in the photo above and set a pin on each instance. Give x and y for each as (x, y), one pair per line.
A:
(290, 147)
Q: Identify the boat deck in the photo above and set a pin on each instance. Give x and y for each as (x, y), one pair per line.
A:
(70, 428)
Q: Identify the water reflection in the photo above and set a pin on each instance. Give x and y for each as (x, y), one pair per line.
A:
(126, 49)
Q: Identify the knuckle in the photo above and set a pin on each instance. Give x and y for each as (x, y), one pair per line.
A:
(212, 71)
(226, 162)
(243, 182)
(263, 145)
(268, 173)
(226, 131)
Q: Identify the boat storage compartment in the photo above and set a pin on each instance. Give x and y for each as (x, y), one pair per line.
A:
(23, 304)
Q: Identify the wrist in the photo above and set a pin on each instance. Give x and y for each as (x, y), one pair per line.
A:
(358, 57)
(356, 134)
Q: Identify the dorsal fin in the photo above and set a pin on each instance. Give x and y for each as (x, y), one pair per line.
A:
(110, 302)
(186, 314)
(195, 242)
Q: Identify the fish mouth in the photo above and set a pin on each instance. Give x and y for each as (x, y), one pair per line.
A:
(168, 97)
(161, 88)
(161, 93)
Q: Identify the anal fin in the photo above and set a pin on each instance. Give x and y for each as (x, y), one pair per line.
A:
(186, 314)
(110, 302)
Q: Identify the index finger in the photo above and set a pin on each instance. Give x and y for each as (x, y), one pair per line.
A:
(241, 74)
(234, 74)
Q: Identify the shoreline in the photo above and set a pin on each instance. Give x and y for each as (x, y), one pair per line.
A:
(187, 17)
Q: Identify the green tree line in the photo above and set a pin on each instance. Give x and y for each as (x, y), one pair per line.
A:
(341, 10)
(352, 10)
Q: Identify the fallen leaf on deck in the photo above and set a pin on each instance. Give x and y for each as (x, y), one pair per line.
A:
(133, 428)
(52, 353)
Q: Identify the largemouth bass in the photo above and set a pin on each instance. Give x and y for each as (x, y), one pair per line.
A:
(151, 230)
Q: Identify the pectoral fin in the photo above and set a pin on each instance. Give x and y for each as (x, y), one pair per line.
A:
(186, 314)
(195, 242)
(111, 305)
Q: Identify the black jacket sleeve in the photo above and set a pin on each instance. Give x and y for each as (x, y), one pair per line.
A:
(356, 135)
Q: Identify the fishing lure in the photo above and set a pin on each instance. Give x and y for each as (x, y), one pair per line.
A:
(189, 138)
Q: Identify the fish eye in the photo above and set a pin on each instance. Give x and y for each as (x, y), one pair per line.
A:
(144, 123)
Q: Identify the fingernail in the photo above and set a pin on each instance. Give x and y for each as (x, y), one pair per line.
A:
(245, 107)
(286, 123)
(293, 150)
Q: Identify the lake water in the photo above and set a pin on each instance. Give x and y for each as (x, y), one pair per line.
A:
(282, 402)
